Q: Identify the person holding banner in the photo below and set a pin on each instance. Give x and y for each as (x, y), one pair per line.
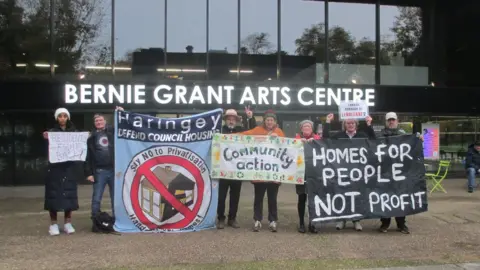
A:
(231, 117)
(306, 135)
(61, 180)
(392, 129)
(349, 131)
(269, 127)
(100, 163)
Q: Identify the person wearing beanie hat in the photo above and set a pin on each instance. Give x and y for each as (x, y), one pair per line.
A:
(231, 119)
(61, 181)
(269, 127)
(60, 111)
(349, 131)
(306, 135)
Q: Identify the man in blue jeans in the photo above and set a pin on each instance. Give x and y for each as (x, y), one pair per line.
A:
(472, 164)
(100, 163)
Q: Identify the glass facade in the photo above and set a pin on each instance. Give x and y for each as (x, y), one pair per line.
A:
(330, 42)
(301, 42)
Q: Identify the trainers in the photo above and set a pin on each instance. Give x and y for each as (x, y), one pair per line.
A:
(257, 226)
(358, 226)
(54, 230)
(273, 226)
(470, 190)
(220, 224)
(68, 228)
(340, 225)
(404, 230)
(383, 229)
(233, 223)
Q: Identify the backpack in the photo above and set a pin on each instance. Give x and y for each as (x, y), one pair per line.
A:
(103, 223)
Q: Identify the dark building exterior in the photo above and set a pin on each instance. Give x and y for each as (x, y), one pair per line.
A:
(435, 83)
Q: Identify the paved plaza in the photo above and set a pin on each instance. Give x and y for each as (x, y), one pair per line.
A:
(449, 233)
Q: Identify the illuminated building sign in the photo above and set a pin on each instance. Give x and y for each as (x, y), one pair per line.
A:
(214, 95)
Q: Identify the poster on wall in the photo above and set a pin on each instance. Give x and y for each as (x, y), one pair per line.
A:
(431, 143)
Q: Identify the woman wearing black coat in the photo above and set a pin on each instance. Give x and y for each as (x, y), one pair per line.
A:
(61, 180)
(349, 131)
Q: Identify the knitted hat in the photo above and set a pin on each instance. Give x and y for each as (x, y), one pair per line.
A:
(60, 111)
(306, 122)
(269, 113)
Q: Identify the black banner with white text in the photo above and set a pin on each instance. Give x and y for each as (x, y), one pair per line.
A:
(353, 179)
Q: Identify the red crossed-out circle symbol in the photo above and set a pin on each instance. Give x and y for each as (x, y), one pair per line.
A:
(146, 170)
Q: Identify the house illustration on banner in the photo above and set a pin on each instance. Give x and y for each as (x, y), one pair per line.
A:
(152, 201)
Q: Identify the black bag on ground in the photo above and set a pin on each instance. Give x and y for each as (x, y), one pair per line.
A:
(103, 223)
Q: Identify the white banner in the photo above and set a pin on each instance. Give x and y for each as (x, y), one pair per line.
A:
(243, 157)
(353, 110)
(67, 146)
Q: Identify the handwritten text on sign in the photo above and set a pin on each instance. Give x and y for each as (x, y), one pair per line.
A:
(361, 179)
(242, 157)
(353, 110)
(67, 146)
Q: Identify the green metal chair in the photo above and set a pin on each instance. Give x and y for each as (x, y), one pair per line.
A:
(434, 181)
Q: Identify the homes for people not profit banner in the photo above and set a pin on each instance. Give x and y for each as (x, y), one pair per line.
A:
(352, 179)
(246, 157)
(162, 170)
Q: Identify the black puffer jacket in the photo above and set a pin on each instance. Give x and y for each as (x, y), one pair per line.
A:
(473, 158)
(61, 181)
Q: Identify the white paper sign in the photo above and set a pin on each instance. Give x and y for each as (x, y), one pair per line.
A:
(353, 110)
(67, 146)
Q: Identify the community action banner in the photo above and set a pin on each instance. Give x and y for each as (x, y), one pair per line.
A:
(163, 172)
(246, 157)
(351, 179)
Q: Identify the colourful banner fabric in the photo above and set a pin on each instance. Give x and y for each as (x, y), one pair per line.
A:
(162, 170)
(244, 157)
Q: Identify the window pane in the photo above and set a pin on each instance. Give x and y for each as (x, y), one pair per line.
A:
(302, 40)
(259, 40)
(186, 41)
(403, 59)
(351, 46)
(223, 40)
(139, 38)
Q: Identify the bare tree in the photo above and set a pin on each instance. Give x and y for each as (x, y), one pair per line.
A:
(257, 43)
(77, 26)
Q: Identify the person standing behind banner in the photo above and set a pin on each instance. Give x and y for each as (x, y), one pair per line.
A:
(231, 117)
(100, 164)
(61, 180)
(269, 127)
(349, 131)
(306, 135)
(391, 129)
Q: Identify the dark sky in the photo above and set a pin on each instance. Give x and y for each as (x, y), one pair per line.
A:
(139, 23)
